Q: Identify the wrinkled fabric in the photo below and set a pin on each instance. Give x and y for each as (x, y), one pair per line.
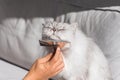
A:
(19, 40)
(11, 72)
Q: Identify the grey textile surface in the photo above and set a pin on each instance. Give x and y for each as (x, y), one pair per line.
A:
(19, 42)
(11, 72)
(22, 48)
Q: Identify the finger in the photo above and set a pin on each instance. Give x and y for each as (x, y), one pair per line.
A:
(46, 58)
(57, 53)
(58, 62)
(61, 44)
(58, 70)
(56, 56)
(60, 66)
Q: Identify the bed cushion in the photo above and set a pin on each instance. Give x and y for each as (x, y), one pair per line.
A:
(19, 40)
(11, 72)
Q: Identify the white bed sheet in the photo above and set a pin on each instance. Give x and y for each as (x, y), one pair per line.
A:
(11, 72)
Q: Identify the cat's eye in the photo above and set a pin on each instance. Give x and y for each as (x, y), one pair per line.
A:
(61, 29)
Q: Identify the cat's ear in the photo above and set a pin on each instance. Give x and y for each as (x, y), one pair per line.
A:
(49, 20)
(43, 25)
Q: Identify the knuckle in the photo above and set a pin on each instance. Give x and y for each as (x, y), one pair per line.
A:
(53, 67)
(61, 61)
(55, 59)
(62, 66)
(38, 61)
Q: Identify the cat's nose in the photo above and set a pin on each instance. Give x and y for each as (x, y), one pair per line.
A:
(54, 29)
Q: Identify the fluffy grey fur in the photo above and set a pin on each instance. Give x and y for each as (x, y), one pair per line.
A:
(83, 59)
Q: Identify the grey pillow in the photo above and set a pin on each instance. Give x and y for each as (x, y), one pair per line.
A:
(19, 40)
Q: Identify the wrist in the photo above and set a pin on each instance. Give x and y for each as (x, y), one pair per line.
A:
(33, 76)
(30, 76)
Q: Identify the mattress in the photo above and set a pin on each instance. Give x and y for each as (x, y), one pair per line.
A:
(11, 72)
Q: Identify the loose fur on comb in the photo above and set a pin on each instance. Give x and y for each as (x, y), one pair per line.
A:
(83, 59)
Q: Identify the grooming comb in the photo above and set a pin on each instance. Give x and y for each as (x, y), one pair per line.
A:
(53, 43)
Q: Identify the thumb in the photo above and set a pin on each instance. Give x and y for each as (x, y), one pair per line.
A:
(46, 58)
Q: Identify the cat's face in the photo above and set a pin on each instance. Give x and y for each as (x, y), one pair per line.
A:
(59, 31)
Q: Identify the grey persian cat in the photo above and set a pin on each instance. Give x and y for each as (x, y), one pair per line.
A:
(83, 59)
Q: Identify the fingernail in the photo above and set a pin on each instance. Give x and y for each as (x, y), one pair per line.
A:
(58, 49)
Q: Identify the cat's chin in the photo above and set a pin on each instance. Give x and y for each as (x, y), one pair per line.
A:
(53, 37)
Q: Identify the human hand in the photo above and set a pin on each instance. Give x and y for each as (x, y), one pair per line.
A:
(45, 68)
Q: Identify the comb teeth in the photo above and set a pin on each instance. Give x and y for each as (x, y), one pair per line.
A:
(42, 43)
(47, 43)
(51, 43)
